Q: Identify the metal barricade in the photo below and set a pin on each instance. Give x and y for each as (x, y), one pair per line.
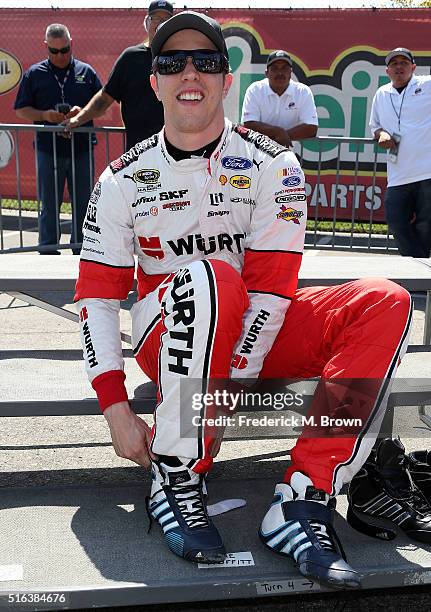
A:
(345, 181)
(358, 167)
(20, 188)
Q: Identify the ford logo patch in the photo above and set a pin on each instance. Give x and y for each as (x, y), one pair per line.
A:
(291, 181)
(236, 163)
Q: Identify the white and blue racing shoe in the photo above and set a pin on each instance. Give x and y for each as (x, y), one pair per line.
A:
(299, 524)
(177, 504)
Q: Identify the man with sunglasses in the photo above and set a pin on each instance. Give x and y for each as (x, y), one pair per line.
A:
(215, 214)
(50, 92)
(129, 84)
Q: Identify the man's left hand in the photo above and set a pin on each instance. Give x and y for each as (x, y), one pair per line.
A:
(287, 140)
(282, 137)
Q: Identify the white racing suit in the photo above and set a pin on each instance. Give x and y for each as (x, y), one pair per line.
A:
(218, 243)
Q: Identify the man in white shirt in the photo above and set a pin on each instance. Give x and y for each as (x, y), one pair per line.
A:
(401, 123)
(276, 106)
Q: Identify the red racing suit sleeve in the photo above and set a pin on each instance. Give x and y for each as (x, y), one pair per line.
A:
(106, 272)
(273, 255)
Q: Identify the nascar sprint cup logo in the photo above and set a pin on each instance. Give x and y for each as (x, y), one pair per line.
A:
(146, 176)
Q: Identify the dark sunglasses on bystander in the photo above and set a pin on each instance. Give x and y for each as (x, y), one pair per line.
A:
(174, 62)
(63, 50)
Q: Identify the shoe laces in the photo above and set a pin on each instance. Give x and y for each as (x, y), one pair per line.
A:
(327, 537)
(409, 492)
(414, 495)
(190, 501)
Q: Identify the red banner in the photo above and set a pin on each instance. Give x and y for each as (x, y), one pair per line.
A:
(339, 53)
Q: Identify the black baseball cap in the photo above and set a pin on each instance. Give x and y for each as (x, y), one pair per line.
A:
(399, 51)
(189, 20)
(276, 56)
(160, 5)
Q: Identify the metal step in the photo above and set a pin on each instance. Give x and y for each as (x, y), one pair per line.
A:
(405, 392)
(89, 546)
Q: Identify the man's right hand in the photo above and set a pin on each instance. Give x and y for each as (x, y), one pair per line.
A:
(52, 116)
(72, 122)
(281, 136)
(130, 434)
(385, 140)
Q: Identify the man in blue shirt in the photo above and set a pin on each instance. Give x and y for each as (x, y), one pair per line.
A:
(50, 92)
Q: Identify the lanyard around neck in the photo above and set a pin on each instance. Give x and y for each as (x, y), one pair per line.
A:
(398, 114)
(61, 85)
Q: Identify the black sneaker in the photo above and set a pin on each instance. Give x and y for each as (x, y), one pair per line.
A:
(177, 503)
(419, 467)
(299, 524)
(383, 497)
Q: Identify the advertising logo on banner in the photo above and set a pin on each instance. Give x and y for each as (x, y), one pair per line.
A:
(343, 94)
(338, 53)
(10, 71)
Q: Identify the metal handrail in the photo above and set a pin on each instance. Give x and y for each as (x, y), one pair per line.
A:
(31, 127)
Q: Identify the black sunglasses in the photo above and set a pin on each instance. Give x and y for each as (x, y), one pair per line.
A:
(63, 51)
(173, 62)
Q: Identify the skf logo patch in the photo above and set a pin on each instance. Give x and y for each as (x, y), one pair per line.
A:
(83, 315)
(290, 214)
(239, 362)
(172, 195)
(240, 182)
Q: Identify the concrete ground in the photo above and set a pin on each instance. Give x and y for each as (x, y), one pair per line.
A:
(40, 358)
